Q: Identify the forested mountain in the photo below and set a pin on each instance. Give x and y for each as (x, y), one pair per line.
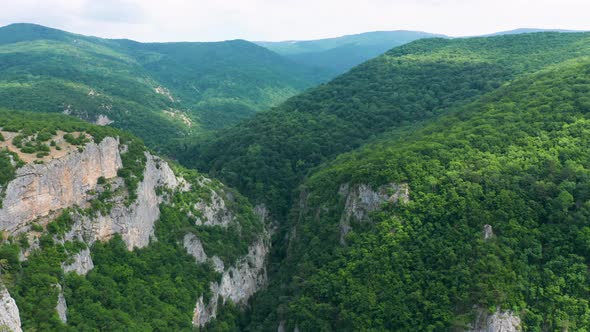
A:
(100, 234)
(342, 53)
(267, 156)
(441, 186)
(478, 210)
(528, 30)
(157, 91)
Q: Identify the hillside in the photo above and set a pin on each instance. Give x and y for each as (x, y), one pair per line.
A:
(267, 156)
(98, 233)
(529, 30)
(157, 91)
(342, 53)
(478, 218)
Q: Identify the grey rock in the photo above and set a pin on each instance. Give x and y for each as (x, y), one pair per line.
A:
(61, 307)
(215, 212)
(238, 283)
(9, 314)
(499, 321)
(194, 247)
(136, 222)
(361, 200)
(82, 263)
(218, 265)
(39, 189)
(488, 232)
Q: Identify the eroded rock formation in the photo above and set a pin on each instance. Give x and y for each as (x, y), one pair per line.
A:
(9, 314)
(361, 200)
(39, 189)
(238, 283)
(499, 321)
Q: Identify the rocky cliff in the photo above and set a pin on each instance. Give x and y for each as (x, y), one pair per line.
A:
(135, 222)
(238, 283)
(39, 189)
(9, 315)
(72, 184)
(499, 321)
(361, 200)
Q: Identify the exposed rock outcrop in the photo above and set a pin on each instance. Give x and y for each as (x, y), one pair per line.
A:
(39, 189)
(488, 232)
(214, 212)
(193, 246)
(361, 200)
(82, 263)
(103, 120)
(136, 222)
(238, 283)
(61, 307)
(9, 314)
(500, 321)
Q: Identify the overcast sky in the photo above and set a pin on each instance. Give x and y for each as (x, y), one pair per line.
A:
(208, 20)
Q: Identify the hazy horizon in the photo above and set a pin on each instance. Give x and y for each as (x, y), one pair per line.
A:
(285, 20)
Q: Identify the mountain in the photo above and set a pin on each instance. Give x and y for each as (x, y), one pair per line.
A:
(342, 53)
(478, 221)
(267, 156)
(461, 204)
(100, 234)
(528, 30)
(157, 91)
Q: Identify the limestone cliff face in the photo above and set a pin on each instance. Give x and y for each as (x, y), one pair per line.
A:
(361, 200)
(81, 264)
(41, 192)
(499, 321)
(238, 283)
(62, 306)
(136, 222)
(9, 314)
(193, 246)
(215, 212)
(39, 189)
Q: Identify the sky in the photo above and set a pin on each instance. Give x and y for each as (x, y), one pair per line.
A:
(274, 20)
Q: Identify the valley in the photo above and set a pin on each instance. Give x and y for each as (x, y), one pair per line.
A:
(387, 181)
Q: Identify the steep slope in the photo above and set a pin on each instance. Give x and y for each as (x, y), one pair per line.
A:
(157, 91)
(342, 53)
(223, 82)
(478, 222)
(100, 234)
(267, 156)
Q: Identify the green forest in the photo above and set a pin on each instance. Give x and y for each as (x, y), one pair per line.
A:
(206, 85)
(490, 135)
(149, 289)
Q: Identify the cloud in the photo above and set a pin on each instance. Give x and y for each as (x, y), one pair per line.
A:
(205, 20)
(117, 11)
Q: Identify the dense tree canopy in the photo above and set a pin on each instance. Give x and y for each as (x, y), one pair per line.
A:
(267, 156)
(516, 159)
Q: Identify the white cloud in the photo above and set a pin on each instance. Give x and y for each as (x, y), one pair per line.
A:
(192, 20)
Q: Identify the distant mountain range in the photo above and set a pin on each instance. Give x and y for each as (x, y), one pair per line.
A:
(342, 53)
(159, 91)
(528, 30)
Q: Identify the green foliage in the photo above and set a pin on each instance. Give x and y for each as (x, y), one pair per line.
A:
(266, 157)
(212, 84)
(150, 289)
(39, 124)
(227, 243)
(340, 54)
(61, 224)
(516, 159)
(80, 140)
(35, 290)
